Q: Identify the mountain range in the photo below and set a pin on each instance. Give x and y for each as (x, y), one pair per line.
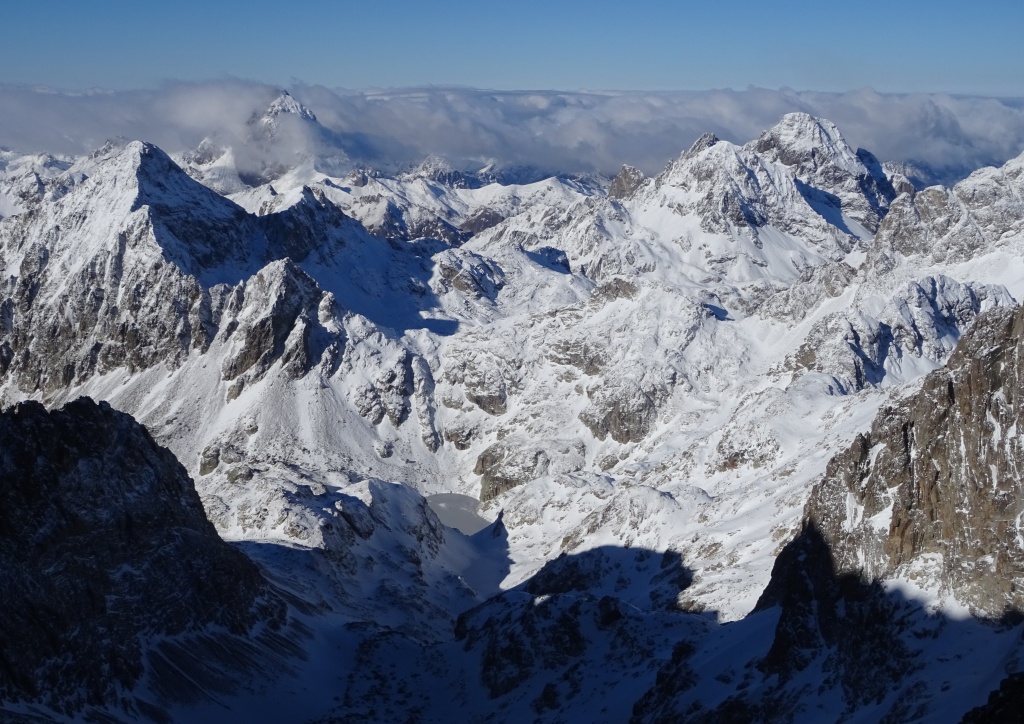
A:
(736, 441)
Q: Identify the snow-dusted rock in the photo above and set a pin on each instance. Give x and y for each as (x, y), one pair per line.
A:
(935, 478)
(642, 383)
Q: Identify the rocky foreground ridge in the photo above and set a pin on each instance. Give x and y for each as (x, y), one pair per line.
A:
(117, 590)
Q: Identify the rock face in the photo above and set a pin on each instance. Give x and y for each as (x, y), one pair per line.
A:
(984, 210)
(933, 490)
(506, 464)
(112, 573)
(628, 180)
(840, 628)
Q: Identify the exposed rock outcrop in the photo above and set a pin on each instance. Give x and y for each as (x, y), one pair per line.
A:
(112, 573)
(951, 225)
(933, 490)
(627, 181)
(626, 412)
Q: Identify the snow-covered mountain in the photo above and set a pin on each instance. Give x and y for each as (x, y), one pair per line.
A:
(636, 398)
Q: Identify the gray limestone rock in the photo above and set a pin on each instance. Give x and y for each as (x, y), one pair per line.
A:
(624, 412)
(470, 274)
(506, 464)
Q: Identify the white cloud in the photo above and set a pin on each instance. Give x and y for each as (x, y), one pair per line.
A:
(556, 131)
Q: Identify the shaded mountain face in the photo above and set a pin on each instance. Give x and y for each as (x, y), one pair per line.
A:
(815, 626)
(642, 384)
(113, 577)
(932, 490)
(597, 635)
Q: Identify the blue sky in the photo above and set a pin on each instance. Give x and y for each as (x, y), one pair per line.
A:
(891, 46)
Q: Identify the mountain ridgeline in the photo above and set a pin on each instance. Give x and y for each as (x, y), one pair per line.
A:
(738, 441)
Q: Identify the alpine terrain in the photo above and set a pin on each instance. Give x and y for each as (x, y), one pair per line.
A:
(290, 438)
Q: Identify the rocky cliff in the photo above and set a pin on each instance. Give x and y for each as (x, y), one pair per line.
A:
(932, 491)
(117, 590)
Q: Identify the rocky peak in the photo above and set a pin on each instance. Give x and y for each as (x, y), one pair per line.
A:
(806, 142)
(279, 305)
(829, 173)
(286, 104)
(287, 122)
(160, 180)
(707, 140)
(983, 211)
(102, 529)
(207, 152)
(626, 182)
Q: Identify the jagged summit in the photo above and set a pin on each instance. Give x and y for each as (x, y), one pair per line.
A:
(707, 140)
(804, 141)
(836, 174)
(433, 163)
(162, 182)
(626, 182)
(285, 104)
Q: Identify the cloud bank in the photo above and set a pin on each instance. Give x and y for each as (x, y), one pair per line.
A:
(567, 132)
